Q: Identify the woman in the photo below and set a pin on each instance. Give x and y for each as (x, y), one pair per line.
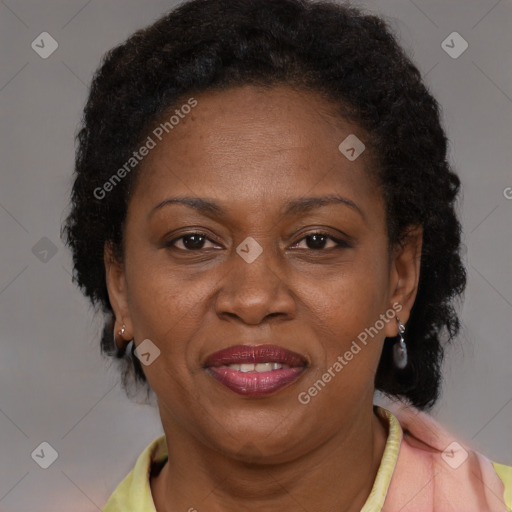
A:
(264, 211)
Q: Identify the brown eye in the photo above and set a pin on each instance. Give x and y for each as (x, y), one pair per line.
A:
(318, 241)
(190, 242)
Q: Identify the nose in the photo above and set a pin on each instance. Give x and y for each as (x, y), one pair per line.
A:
(254, 292)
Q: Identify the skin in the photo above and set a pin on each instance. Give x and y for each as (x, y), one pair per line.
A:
(251, 150)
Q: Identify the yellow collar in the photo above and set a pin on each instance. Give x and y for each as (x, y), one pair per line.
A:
(134, 492)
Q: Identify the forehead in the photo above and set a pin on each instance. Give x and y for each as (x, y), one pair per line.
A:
(251, 144)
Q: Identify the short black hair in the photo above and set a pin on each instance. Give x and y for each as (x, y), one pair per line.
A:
(339, 51)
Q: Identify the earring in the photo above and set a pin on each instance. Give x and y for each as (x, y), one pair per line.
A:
(121, 332)
(400, 349)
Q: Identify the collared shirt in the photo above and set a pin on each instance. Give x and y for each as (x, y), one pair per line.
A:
(133, 494)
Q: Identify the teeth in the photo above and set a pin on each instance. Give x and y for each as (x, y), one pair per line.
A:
(259, 367)
(265, 367)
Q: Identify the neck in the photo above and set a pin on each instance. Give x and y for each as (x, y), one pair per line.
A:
(337, 475)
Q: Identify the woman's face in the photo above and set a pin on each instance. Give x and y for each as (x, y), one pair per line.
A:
(254, 153)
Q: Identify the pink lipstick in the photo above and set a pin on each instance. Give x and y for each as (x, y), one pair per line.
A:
(255, 370)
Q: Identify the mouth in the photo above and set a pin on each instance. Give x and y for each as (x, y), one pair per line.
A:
(255, 370)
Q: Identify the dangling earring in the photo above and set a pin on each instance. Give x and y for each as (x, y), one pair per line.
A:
(399, 349)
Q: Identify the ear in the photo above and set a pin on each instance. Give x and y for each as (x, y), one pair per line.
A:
(117, 290)
(404, 276)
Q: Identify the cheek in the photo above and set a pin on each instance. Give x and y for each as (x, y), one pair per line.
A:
(166, 304)
(342, 309)
(355, 291)
(169, 310)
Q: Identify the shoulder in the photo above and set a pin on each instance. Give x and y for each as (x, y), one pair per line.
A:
(134, 492)
(437, 471)
(505, 474)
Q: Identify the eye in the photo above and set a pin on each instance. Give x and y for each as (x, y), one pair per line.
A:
(190, 242)
(320, 240)
(313, 241)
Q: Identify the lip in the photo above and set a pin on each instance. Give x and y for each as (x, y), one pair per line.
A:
(253, 354)
(252, 383)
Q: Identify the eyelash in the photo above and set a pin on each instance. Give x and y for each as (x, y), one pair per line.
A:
(340, 244)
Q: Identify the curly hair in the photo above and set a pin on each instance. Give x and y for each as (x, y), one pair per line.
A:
(346, 55)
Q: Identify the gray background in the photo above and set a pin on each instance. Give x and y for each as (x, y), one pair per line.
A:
(55, 387)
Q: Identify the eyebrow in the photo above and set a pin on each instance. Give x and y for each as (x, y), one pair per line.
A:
(293, 207)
